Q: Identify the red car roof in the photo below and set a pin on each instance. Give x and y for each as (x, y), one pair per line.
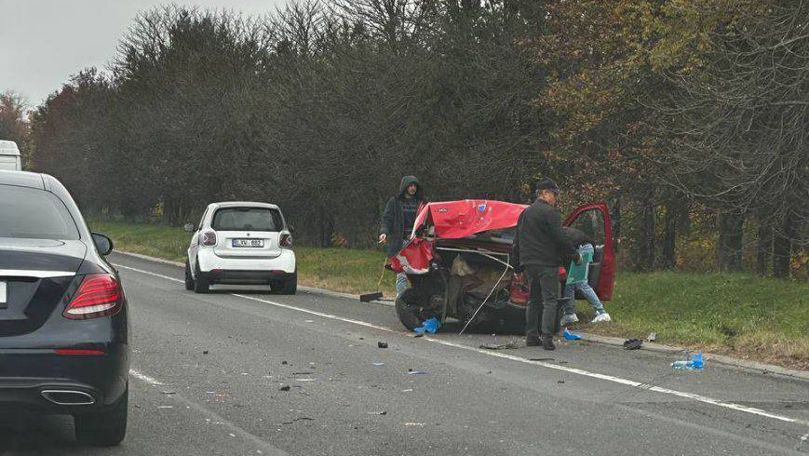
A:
(459, 219)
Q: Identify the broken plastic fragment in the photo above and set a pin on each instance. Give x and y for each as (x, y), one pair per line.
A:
(382, 344)
(430, 326)
(692, 363)
(570, 336)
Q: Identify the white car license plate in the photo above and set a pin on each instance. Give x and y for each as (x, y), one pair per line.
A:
(3, 294)
(248, 242)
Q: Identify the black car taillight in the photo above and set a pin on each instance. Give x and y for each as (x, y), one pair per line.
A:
(99, 295)
(209, 238)
(286, 240)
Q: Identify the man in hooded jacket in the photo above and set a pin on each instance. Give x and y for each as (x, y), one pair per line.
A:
(398, 219)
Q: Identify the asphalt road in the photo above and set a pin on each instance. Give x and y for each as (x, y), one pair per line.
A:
(209, 375)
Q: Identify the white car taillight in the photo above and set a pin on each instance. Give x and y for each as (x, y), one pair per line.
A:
(99, 295)
(209, 238)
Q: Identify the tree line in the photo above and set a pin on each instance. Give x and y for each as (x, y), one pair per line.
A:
(688, 117)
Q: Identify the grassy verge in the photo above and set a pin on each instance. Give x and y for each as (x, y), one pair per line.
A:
(736, 314)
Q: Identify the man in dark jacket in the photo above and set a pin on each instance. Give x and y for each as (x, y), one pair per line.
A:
(539, 249)
(398, 219)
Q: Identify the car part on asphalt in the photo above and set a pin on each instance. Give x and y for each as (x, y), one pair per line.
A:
(507, 346)
(373, 296)
(632, 344)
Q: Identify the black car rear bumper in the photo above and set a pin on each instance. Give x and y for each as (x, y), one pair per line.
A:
(43, 380)
(218, 276)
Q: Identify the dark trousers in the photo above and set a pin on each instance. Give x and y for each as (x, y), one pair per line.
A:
(543, 302)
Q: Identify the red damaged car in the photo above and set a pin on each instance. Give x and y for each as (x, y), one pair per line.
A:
(458, 263)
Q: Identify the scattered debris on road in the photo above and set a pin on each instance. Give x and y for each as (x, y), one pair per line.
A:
(540, 359)
(378, 364)
(382, 344)
(651, 337)
(303, 418)
(694, 362)
(632, 344)
(431, 326)
(415, 372)
(284, 363)
(165, 406)
(285, 388)
(205, 352)
(383, 412)
(415, 424)
(508, 346)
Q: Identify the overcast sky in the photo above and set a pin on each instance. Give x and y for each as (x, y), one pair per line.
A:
(43, 42)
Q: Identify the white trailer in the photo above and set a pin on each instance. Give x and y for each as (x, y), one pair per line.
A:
(10, 156)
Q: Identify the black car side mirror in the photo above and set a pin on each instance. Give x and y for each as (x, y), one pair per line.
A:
(103, 243)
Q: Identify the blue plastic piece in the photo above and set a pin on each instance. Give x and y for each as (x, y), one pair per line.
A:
(692, 363)
(430, 326)
(570, 336)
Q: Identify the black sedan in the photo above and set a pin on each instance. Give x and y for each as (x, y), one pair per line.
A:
(63, 314)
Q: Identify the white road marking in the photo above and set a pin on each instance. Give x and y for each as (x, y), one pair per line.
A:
(149, 273)
(572, 370)
(145, 378)
(233, 429)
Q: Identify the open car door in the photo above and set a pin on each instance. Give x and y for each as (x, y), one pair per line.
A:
(594, 220)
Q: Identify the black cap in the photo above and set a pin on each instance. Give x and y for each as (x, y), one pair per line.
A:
(547, 184)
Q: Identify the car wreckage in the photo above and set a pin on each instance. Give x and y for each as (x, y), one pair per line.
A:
(457, 263)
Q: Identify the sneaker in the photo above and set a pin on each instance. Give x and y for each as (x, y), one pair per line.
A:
(602, 318)
(568, 320)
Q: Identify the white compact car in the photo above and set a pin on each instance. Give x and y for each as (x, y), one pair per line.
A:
(242, 243)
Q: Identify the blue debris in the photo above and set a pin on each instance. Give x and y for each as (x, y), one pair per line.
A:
(570, 336)
(692, 363)
(430, 326)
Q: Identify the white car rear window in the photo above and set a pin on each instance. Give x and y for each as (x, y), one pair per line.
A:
(246, 219)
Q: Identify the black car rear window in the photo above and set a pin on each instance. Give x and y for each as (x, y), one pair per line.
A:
(34, 214)
(247, 219)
